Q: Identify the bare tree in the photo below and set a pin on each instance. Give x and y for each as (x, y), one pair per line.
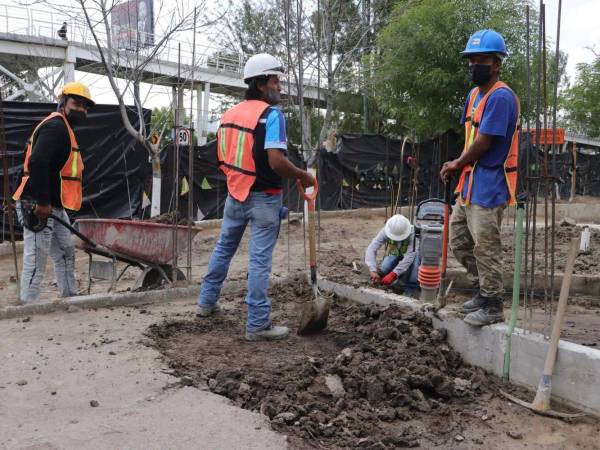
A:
(130, 65)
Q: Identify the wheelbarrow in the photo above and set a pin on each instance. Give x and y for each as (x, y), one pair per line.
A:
(145, 245)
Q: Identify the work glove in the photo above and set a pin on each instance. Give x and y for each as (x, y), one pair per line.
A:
(389, 279)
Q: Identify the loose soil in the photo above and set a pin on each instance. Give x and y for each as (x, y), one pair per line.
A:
(378, 378)
(581, 324)
(586, 263)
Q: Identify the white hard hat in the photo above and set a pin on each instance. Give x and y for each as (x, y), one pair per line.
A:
(261, 65)
(398, 228)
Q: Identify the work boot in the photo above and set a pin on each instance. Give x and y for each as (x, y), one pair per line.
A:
(476, 303)
(207, 311)
(273, 333)
(487, 315)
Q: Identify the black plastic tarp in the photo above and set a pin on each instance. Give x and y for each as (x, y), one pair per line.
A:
(115, 165)
(210, 188)
(366, 169)
(355, 175)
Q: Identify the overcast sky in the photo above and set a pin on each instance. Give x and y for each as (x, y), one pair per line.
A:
(579, 29)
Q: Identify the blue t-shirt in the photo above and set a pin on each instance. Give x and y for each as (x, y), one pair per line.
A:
(498, 120)
(270, 135)
(275, 136)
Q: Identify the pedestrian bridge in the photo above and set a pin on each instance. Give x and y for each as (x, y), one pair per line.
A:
(35, 60)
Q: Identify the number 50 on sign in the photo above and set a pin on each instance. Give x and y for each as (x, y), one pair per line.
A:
(183, 136)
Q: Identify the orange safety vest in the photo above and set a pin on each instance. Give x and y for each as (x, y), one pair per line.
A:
(71, 192)
(472, 122)
(235, 140)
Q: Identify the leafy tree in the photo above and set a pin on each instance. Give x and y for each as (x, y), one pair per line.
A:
(422, 81)
(255, 27)
(163, 118)
(582, 100)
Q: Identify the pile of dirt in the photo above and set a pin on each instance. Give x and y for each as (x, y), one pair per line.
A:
(378, 378)
(168, 219)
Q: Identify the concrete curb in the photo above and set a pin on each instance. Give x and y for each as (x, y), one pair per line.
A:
(109, 300)
(588, 285)
(98, 301)
(95, 301)
(575, 381)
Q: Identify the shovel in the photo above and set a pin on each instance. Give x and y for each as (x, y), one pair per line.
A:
(541, 402)
(316, 312)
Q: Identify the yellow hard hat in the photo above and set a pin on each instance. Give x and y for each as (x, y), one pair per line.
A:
(79, 89)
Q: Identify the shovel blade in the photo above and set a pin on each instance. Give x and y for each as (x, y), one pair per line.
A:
(314, 316)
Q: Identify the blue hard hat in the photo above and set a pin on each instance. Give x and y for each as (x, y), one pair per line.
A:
(485, 41)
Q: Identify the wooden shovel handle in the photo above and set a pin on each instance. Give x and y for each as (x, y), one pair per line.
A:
(312, 241)
(308, 197)
(561, 308)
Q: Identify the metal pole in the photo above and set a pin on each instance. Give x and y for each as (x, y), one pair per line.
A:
(537, 147)
(176, 163)
(289, 106)
(556, 81)
(190, 211)
(318, 140)
(400, 176)
(527, 163)
(546, 173)
(8, 210)
(389, 200)
(554, 149)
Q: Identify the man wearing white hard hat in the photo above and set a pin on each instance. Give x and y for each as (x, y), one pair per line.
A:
(401, 260)
(252, 152)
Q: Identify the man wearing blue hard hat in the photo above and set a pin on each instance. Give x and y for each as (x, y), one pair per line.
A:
(488, 176)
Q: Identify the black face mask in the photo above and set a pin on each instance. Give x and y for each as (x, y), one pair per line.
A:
(76, 117)
(480, 73)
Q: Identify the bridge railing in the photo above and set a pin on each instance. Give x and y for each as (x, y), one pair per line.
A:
(27, 21)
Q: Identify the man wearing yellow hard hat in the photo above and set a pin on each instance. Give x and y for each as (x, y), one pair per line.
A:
(51, 183)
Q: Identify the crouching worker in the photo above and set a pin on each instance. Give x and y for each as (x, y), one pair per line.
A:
(400, 264)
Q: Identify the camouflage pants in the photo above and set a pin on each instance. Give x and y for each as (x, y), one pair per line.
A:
(475, 242)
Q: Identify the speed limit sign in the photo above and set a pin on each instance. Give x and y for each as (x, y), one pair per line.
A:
(183, 136)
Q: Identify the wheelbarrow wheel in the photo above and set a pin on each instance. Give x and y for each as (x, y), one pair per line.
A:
(154, 278)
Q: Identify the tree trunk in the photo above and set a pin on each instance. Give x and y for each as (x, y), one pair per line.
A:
(329, 105)
(156, 185)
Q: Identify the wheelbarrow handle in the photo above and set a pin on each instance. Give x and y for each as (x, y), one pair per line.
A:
(312, 195)
(73, 230)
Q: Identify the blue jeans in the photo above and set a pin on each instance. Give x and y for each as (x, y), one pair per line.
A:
(54, 240)
(409, 278)
(262, 211)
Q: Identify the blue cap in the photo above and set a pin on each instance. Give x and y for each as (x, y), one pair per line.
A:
(485, 41)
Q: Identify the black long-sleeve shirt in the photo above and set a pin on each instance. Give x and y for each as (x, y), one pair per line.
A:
(51, 148)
